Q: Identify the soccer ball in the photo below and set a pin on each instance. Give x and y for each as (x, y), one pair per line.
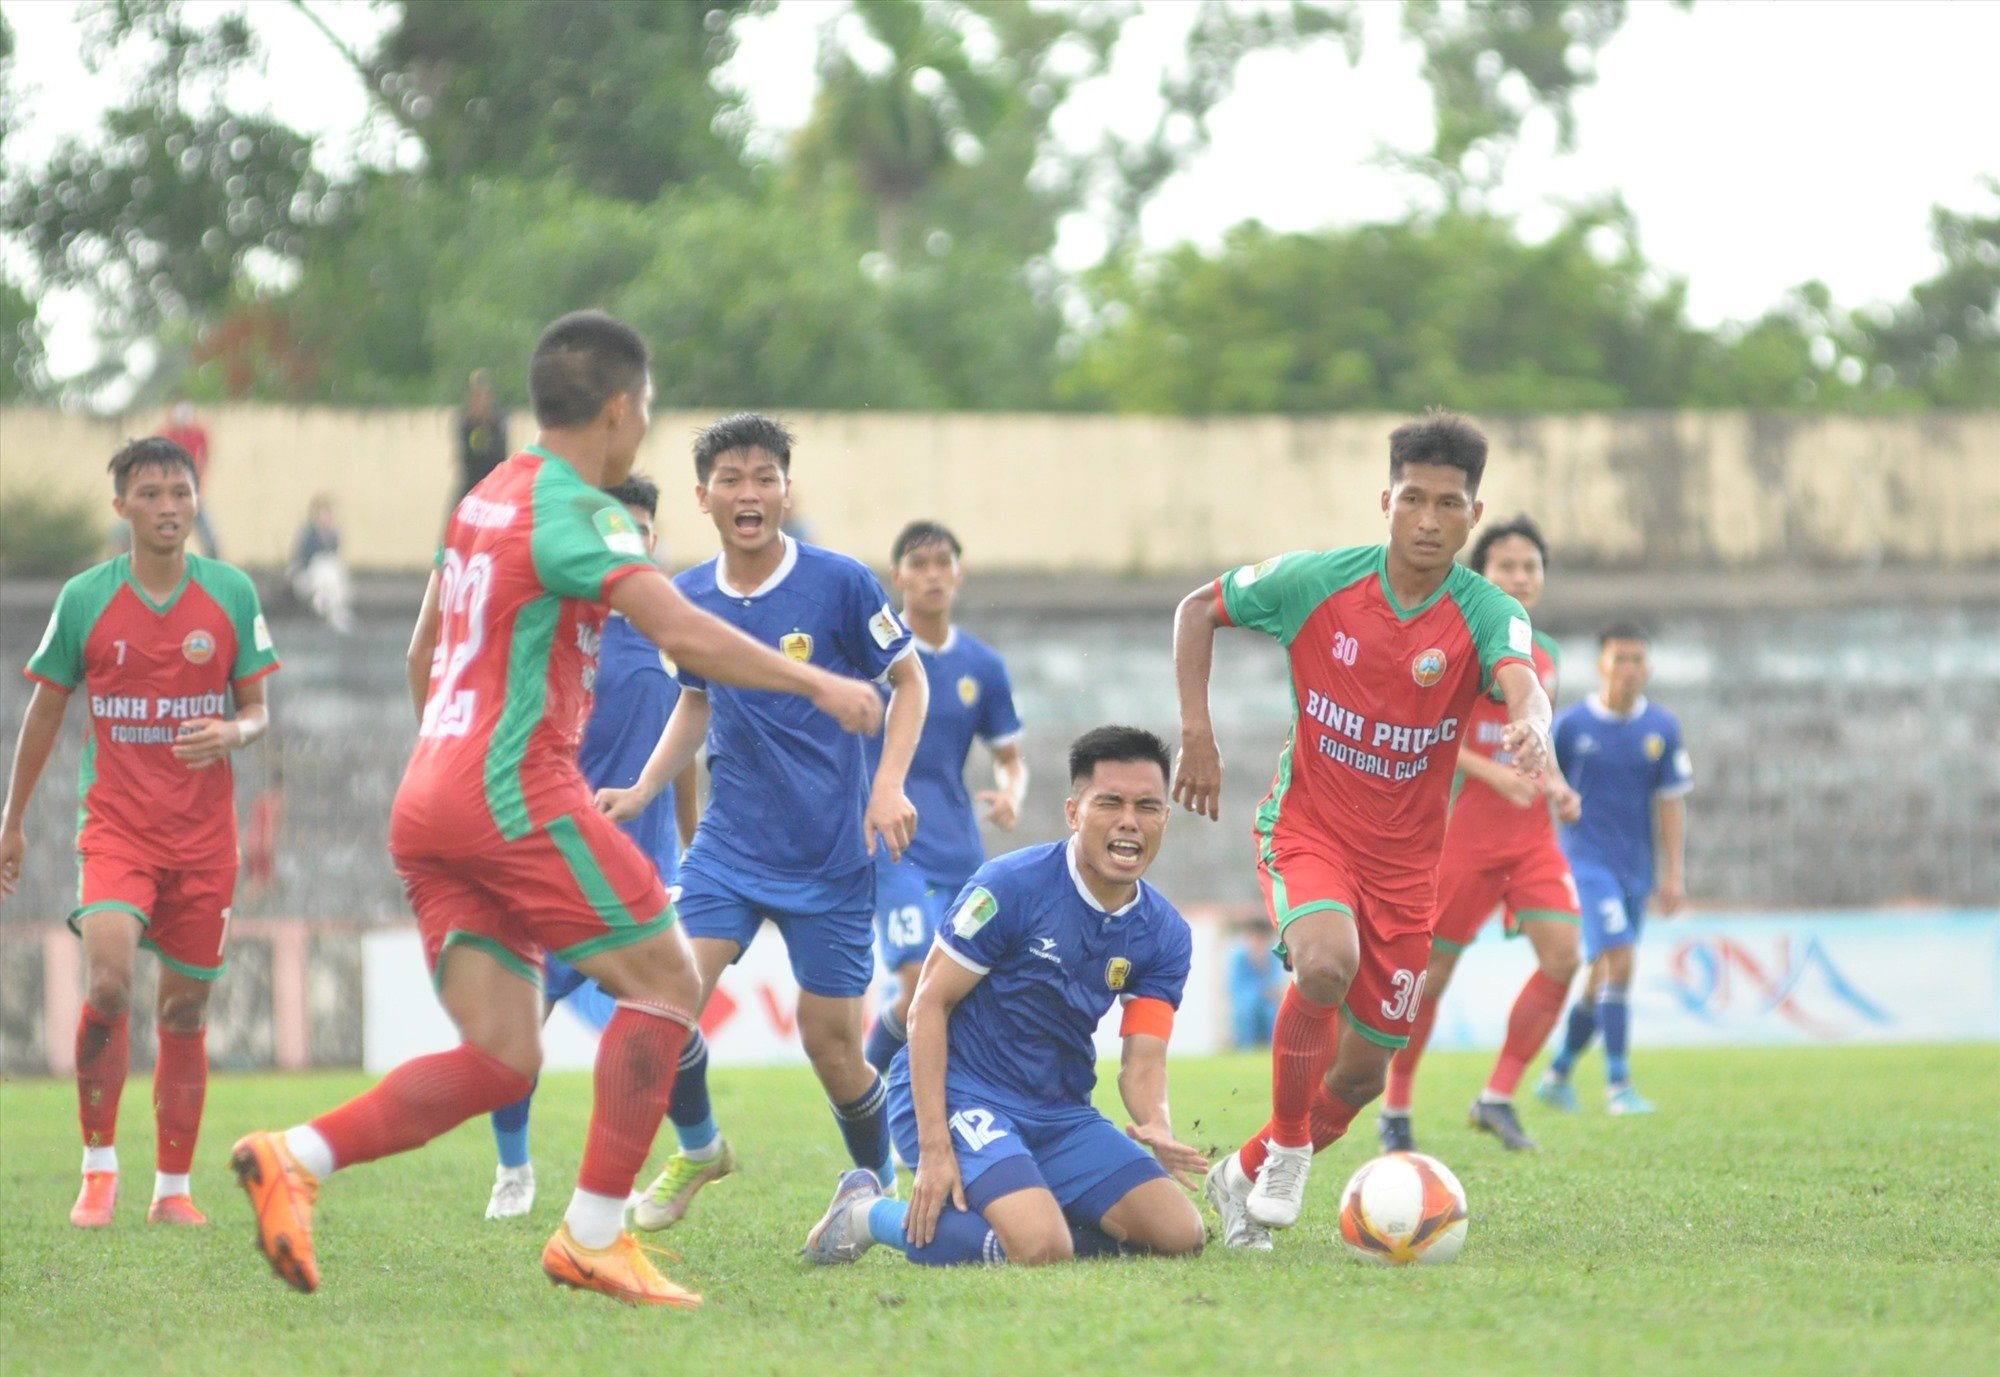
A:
(1403, 1208)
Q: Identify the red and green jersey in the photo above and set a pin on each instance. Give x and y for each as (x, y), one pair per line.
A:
(1484, 826)
(529, 557)
(1380, 698)
(146, 668)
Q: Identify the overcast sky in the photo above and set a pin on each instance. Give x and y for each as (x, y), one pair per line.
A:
(1759, 144)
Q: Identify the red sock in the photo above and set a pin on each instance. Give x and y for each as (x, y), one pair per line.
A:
(180, 1084)
(637, 1059)
(103, 1057)
(1302, 1046)
(1529, 1024)
(1403, 1066)
(1330, 1117)
(419, 1100)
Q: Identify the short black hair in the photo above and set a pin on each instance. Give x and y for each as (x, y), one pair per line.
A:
(921, 533)
(1522, 526)
(155, 451)
(744, 430)
(1100, 744)
(637, 491)
(1439, 437)
(580, 363)
(1623, 631)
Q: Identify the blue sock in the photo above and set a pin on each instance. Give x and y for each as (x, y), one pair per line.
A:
(1576, 1039)
(1614, 1018)
(885, 1039)
(693, 1116)
(1087, 1240)
(864, 1123)
(510, 1130)
(961, 1237)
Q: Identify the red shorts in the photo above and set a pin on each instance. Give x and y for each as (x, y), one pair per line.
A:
(1536, 885)
(184, 914)
(575, 887)
(1395, 938)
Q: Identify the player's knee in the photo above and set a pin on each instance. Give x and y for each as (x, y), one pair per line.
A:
(110, 990)
(1358, 1085)
(1178, 1232)
(1560, 965)
(1039, 1248)
(1323, 975)
(184, 1012)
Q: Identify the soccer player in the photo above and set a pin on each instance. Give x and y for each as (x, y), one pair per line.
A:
(635, 693)
(991, 1100)
(1389, 647)
(1499, 847)
(793, 819)
(1625, 756)
(971, 699)
(494, 834)
(162, 641)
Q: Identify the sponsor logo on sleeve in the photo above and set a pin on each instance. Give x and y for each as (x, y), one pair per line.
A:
(1656, 745)
(979, 909)
(1683, 767)
(884, 627)
(260, 633)
(1250, 573)
(620, 535)
(1116, 971)
(1520, 636)
(1428, 667)
(199, 647)
(798, 645)
(968, 690)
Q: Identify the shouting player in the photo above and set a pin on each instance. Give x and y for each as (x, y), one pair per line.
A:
(971, 699)
(793, 819)
(991, 1100)
(494, 834)
(1625, 756)
(1500, 847)
(161, 640)
(1389, 645)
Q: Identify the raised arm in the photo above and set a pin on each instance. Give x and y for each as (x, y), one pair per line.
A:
(890, 813)
(1526, 735)
(40, 727)
(1142, 1084)
(1198, 773)
(941, 987)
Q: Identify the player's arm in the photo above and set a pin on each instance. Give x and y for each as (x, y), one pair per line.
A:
(1198, 772)
(687, 808)
(890, 812)
(1142, 1084)
(1673, 844)
(716, 650)
(423, 647)
(40, 727)
(1526, 735)
(1010, 786)
(207, 740)
(672, 757)
(941, 988)
(1501, 779)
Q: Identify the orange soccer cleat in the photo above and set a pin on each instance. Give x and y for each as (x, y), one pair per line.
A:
(175, 1209)
(281, 1196)
(621, 1271)
(96, 1201)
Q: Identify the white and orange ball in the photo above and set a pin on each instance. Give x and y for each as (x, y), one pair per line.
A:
(1403, 1208)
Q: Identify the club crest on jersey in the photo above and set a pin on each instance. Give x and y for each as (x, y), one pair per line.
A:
(798, 645)
(199, 647)
(1656, 745)
(1115, 972)
(1428, 667)
(975, 913)
(968, 690)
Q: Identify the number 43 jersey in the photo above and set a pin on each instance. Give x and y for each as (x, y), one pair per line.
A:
(529, 558)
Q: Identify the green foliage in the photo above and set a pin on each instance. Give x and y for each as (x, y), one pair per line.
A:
(22, 362)
(1943, 344)
(45, 536)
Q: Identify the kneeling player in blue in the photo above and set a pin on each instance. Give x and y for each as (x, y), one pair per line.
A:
(991, 1099)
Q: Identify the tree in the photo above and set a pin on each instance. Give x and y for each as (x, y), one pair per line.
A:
(1943, 344)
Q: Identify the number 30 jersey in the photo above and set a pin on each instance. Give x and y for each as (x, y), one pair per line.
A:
(529, 558)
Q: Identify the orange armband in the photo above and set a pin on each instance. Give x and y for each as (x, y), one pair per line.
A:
(1147, 1018)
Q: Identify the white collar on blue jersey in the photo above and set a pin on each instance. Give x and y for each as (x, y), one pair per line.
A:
(1076, 878)
(950, 640)
(1595, 703)
(785, 566)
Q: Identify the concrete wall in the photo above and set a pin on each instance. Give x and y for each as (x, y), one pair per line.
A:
(1147, 494)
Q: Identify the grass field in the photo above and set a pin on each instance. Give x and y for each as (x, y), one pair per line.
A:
(1796, 1211)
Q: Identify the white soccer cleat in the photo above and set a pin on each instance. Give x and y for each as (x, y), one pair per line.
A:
(1227, 1188)
(513, 1192)
(1280, 1192)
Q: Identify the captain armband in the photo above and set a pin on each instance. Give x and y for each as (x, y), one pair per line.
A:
(1145, 1017)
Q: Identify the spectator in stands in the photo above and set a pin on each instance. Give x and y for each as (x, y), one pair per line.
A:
(185, 429)
(482, 434)
(318, 574)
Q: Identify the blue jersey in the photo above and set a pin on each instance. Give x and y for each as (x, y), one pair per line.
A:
(971, 698)
(1619, 765)
(636, 694)
(1054, 962)
(787, 786)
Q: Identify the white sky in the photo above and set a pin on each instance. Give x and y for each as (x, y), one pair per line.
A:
(1759, 144)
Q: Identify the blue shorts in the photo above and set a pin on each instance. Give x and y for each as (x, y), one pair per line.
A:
(909, 906)
(827, 924)
(587, 999)
(1071, 1151)
(1612, 915)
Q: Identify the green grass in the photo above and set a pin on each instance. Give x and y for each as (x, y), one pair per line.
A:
(1787, 1211)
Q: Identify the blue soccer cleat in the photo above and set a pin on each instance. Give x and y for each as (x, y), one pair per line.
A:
(1556, 1092)
(1626, 1100)
(840, 1236)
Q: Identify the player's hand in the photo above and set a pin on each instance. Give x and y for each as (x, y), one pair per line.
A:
(13, 850)
(206, 740)
(937, 1181)
(622, 805)
(853, 703)
(1000, 809)
(1518, 790)
(892, 816)
(1198, 774)
(1185, 1164)
(1569, 803)
(1672, 895)
(1528, 743)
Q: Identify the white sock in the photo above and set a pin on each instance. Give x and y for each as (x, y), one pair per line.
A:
(166, 1184)
(595, 1220)
(100, 1159)
(311, 1149)
(524, 1172)
(1494, 1097)
(708, 1152)
(1396, 1111)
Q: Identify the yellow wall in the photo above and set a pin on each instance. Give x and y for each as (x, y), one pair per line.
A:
(1141, 494)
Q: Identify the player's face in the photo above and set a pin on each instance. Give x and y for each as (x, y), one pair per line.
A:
(160, 503)
(1515, 565)
(1119, 817)
(643, 519)
(629, 417)
(1431, 513)
(746, 496)
(929, 578)
(1625, 667)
